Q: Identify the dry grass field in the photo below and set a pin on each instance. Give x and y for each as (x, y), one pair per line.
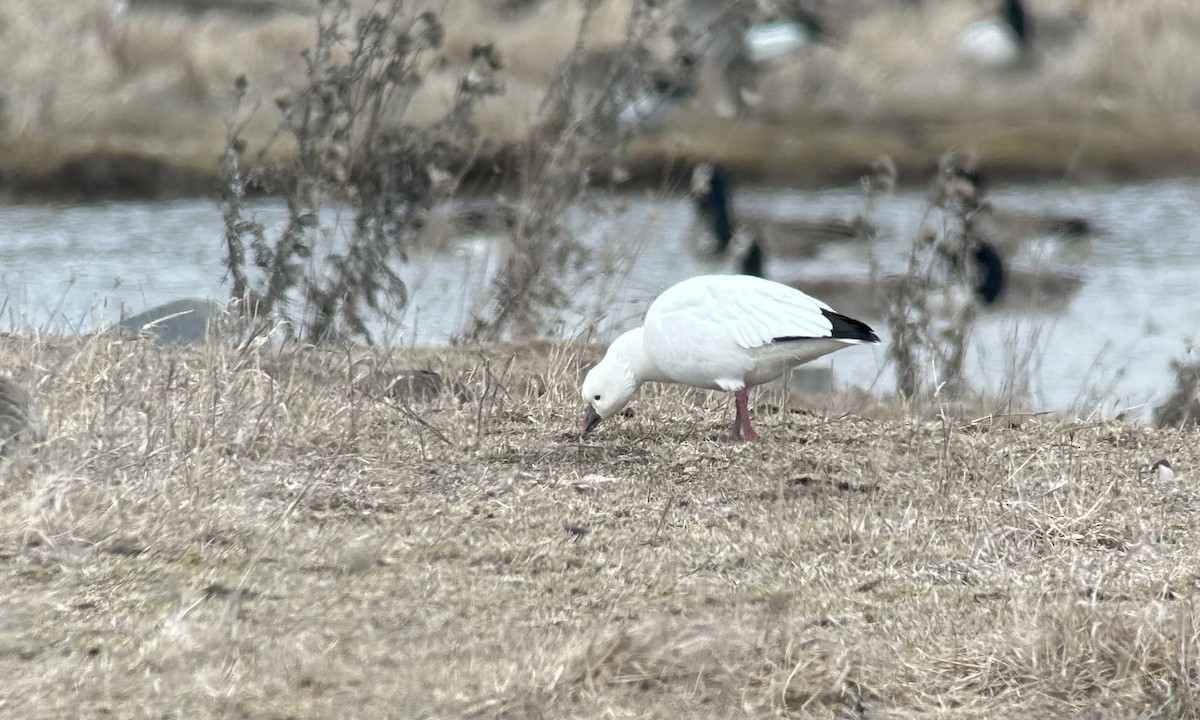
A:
(217, 532)
(103, 93)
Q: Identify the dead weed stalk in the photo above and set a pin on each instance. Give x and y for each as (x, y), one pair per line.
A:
(571, 159)
(931, 316)
(355, 154)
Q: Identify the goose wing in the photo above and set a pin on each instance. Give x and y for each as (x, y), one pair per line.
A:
(748, 311)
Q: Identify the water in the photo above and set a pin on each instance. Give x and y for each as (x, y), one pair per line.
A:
(76, 268)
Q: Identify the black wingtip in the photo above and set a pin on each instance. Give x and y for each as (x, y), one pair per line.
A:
(847, 328)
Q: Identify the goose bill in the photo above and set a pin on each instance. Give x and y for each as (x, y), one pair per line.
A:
(590, 420)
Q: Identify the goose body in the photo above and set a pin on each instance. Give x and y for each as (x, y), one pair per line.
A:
(775, 41)
(1015, 38)
(1004, 228)
(445, 225)
(711, 189)
(990, 44)
(1009, 229)
(998, 42)
(718, 332)
(993, 282)
(738, 40)
(615, 92)
(186, 321)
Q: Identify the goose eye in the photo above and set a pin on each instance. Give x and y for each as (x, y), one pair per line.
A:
(596, 397)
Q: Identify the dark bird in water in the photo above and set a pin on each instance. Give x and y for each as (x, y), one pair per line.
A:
(989, 275)
(994, 282)
(1005, 229)
(988, 279)
(712, 190)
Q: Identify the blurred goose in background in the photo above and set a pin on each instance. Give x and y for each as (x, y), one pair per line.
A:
(451, 222)
(790, 27)
(1006, 229)
(1015, 38)
(187, 321)
(994, 283)
(1014, 287)
(612, 93)
(20, 417)
(259, 9)
(999, 42)
(738, 40)
(865, 297)
(512, 10)
(711, 189)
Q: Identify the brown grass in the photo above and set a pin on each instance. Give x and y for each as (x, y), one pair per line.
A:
(218, 532)
(157, 85)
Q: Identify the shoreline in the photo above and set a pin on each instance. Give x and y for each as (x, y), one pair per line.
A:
(135, 105)
(116, 175)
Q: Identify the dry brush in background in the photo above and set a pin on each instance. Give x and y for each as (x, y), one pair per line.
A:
(366, 177)
(92, 96)
(362, 179)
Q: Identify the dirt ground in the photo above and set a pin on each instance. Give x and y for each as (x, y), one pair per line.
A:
(93, 96)
(222, 532)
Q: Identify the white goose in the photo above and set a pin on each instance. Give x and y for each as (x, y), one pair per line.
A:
(998, 42)
(1014, 37)
(718, 332)
(792, 26)
(616, 91)
(740, 39)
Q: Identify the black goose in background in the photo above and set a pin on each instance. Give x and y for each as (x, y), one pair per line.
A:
(712, 190)
(869, 298)
(995, 283)
(1006, 229)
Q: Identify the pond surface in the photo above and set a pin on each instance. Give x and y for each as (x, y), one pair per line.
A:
(76, 268)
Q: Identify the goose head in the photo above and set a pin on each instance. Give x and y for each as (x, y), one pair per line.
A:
(710, 193)
(613, 382)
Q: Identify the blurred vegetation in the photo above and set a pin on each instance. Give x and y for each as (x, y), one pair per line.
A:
(352, 159)
(102, 97)
(362, 178)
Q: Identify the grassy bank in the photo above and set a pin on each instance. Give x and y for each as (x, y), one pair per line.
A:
(215, 533)
(135, 102)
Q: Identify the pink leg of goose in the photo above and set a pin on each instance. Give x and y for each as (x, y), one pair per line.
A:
(743, 431)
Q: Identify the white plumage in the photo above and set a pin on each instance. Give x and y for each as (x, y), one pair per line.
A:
(718, 332)
(999, 42)
(990, 44)
(769, 42)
